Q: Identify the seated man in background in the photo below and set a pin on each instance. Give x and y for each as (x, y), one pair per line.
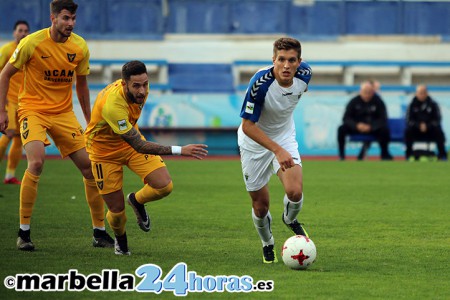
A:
(365, 114)
(423, 123)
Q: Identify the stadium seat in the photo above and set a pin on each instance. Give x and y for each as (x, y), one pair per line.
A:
(397, 130)
(201, 78)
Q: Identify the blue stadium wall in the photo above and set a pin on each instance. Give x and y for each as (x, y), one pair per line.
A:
(151, 19)
(180, 119)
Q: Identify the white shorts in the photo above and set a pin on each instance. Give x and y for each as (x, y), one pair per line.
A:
(258, 167)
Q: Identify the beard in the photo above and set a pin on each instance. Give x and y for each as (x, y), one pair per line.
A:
(61, 32)
(132, 98)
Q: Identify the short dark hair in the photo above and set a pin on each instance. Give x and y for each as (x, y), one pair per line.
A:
(286, 43)
(56, 6)
(20, 22)
(134, 67)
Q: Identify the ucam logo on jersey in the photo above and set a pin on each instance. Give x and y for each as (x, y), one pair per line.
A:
(122, 124)
(249, 107)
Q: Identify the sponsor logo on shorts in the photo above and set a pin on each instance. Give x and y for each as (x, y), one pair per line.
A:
(25, 134)
(100, 184)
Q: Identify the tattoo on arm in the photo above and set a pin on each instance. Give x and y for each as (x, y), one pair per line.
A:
(133, 138)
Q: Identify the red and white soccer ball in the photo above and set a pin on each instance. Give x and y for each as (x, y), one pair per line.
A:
(298, 252)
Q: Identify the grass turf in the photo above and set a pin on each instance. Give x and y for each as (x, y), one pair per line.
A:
(381, 231)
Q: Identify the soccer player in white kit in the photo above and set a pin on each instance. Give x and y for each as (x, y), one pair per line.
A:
(266, 139)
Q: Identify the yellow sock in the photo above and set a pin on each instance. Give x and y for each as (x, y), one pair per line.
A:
(14, 156)
(117, 221)
(28, 194)
(95, 202)
(147, 193)
(4, 141)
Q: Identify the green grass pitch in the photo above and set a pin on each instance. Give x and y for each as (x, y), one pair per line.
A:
(381, 231)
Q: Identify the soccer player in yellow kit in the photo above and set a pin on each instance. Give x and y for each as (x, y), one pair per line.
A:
(113, 140)
(52, 59)
(21, 30)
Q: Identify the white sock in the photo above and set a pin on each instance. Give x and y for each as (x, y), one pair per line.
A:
(100, 228)
(25, 227)
(10, 174)
(291, 209)
(263, 228)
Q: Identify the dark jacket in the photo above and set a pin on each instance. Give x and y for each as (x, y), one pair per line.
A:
(372, 112)
(427, 112)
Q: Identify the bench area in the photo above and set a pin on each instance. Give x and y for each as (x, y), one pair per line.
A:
(397, 130)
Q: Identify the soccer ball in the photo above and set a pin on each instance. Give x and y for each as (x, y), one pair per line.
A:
(298, 252)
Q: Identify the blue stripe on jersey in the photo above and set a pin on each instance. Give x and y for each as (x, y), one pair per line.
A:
(256, 94)
(304, 72)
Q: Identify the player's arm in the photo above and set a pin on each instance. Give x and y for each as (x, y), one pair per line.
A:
(83, 96)
(256, 134)
(5, 76)
(133, 138)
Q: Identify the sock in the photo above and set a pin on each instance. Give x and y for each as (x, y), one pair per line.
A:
(291, 209)
(4, 141)
(28, 195)
(117, 222)
(25, 227)
(263, 228)
(147, 193)
(95, 202)
(14, 156)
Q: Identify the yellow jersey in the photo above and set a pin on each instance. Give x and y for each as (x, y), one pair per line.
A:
(6, 51)
(49, 71)
(112, 116)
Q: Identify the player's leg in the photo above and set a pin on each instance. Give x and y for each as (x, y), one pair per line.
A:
(257, 170)
(5, 139)
(14, 156)
(28, 191)
(292, 181)
(15, 152)
(68, 137)
(4, 142)
(34, 138)
(262, 220)
(157, 185)
(117, 219)
(108, 174)
(95, 201)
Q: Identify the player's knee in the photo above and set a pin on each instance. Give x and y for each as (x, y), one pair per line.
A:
(261, 211)
(294, 195)
(35, 166)
(165, 191)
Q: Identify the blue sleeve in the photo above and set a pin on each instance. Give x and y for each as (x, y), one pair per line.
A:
(256, 94)
(304, 72)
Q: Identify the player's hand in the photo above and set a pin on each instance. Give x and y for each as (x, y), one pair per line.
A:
(423, 127)
(284, 159)
(3, 121)
(363, 127)
(195, 150)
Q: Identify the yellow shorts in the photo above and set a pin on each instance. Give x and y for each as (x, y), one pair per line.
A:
(64, 130)
(12, 116)
(108, 173)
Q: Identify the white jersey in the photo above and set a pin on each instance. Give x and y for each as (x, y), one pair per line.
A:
(271, 106)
